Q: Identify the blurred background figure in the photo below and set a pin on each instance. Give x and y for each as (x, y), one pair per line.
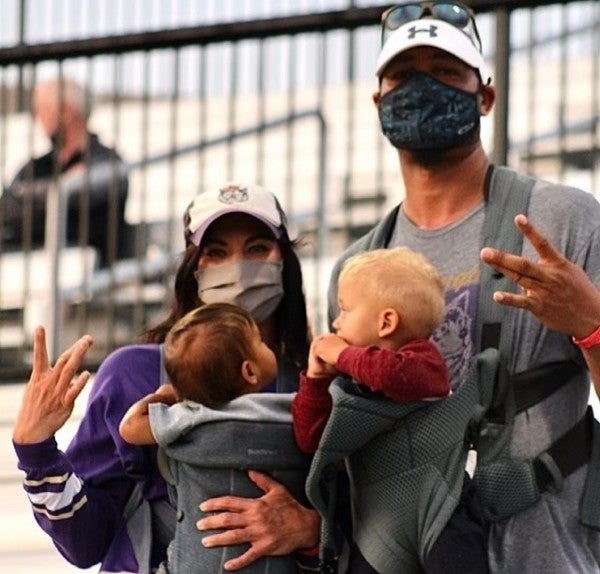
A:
(92, 175)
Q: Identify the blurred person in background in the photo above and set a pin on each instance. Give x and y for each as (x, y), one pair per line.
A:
(93, 175)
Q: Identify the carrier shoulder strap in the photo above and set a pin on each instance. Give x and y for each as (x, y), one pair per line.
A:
(519, 482)
(507, 195)
(149, 522)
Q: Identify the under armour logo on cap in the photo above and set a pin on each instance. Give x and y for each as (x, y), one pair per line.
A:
(233, 193)
(431, 30)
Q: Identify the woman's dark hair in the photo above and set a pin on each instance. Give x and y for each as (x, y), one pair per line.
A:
(290, 317)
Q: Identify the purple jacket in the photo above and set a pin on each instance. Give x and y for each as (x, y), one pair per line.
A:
(78, 497)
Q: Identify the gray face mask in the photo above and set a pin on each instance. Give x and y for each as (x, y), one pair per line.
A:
(255, 286)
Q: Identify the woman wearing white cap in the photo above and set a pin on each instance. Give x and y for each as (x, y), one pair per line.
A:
(239, 249)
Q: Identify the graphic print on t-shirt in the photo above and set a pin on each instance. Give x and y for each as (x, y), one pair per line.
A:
(455, 336)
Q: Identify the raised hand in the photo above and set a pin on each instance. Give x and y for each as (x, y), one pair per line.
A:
(557, 291)
(50, 394)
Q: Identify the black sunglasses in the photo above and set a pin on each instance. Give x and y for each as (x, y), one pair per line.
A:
(455, 13)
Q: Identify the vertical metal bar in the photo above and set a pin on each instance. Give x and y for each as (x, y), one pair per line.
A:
(502, 73)
(231, 107)
(262, 94)
(113, 219)
(322, 232)
(113, 202)
(145, 124)
(322, 228)
(22, 100)
(56, 227)
(202, 117)
(562, 94)
(54, 242)
(595, 101)
(174, 108)
(26, 217)
(290, 128)
(84, 201)
(531, 91)
(143, 238)
(349, 152)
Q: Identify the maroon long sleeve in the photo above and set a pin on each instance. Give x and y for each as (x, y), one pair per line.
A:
(415, 371)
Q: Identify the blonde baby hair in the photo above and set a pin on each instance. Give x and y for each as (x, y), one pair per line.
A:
(403, 279)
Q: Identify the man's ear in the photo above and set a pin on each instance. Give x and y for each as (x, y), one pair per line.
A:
(389, 321)
(248, 373)
(487, 99)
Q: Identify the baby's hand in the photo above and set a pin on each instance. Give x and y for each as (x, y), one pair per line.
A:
(327, 348)
(165, 394)
(317, 367)
(323, 355)
(135, 425)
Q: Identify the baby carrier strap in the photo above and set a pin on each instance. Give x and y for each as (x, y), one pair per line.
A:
(150, 527)
(507, 195)
(506, 485)
(406, 461)
(150, 524)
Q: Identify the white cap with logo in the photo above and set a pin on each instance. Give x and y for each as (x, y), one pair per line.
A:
(254, 200)
(437, 34)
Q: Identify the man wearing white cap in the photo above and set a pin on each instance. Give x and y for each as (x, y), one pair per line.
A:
(433, 89)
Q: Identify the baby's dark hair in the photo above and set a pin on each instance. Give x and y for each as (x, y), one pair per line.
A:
(204, 352)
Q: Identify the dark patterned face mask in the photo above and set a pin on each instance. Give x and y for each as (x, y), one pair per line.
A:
(425, 114)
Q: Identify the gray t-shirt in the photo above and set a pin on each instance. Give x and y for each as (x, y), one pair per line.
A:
(547, 537)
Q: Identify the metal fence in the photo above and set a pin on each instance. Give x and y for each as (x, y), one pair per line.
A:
(283, 100)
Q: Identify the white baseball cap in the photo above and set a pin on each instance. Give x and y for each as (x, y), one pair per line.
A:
(254, 200)
(434, 33)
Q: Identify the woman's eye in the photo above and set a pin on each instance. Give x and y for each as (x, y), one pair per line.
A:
(214, 253)
(259, 248)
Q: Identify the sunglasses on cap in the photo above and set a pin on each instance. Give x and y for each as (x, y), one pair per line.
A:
(455, 13)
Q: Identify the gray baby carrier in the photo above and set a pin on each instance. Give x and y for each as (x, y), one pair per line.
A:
(213, 460)
(407, 461)
(216, 464)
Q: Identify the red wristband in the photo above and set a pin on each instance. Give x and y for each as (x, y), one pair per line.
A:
(590, 341)
(312, 551)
